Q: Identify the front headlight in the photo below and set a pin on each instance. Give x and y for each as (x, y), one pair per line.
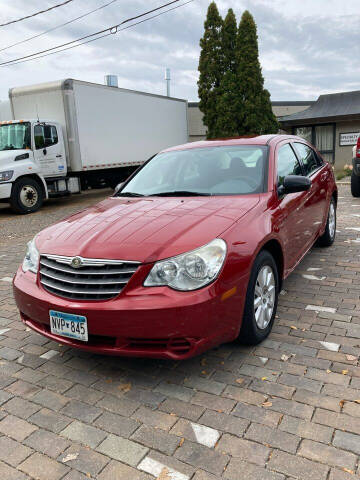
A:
(6, 176)
(191, 270)
(32, 256)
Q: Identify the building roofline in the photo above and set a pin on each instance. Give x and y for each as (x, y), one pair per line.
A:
(277, 103)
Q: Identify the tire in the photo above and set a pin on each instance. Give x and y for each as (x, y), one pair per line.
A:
(26, 196)
(251, 332)
(113, 183)
(328, 237)
(355, 185)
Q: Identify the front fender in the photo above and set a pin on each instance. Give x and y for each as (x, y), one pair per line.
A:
(25, 168)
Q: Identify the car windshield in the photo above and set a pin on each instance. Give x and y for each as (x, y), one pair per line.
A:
(233, 170)
(15, 136)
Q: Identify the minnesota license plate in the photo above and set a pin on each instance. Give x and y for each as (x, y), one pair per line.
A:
(69, 325)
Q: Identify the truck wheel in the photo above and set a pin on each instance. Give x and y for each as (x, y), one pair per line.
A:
(328, 237)
(355, 185)
(261, 300)
(26, 196)
(112, 183)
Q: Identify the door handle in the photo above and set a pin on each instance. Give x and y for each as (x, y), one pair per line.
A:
(58, 156)
(324, 176)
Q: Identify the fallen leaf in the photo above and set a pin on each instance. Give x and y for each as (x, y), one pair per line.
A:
(263, 378)
(345, 372)
(164, 475)
(267, 404)
(348, 471)
(285, 358)
(181, 441)
(293, 327)
(341, 403)
(351, 358)
(239, 380)
(328, 371)
(204, 372)
(69, 457)
(125, 387)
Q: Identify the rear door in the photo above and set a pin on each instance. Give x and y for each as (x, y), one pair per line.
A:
(316, 201)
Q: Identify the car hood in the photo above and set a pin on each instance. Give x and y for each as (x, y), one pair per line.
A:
(143, 229)
(9, 155)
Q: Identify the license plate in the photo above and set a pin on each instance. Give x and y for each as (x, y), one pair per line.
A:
(69, 325)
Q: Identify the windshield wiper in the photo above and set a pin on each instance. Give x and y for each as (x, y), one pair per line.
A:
(180, 193)
(129, 194)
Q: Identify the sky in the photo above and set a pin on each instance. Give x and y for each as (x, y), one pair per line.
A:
(307, 47)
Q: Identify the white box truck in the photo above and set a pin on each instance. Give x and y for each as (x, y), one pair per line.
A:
(69, 135)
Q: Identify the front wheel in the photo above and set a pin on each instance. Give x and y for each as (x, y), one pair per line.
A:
(26, 196)
(328, 237)
(355, 185)
(261, 300)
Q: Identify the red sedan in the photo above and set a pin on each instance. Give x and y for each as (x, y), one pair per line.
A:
(189, 253)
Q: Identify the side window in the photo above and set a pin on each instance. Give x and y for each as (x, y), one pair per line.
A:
(287, 163)
(45, 136)
(308, 158)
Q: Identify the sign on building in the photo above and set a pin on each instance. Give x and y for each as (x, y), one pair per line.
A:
(348, 138)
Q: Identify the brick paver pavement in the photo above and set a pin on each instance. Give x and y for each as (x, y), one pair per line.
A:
(288, 408)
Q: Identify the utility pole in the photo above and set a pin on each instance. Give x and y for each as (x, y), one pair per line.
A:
(168, 79)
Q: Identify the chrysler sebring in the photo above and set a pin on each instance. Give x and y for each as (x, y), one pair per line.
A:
(190, 251)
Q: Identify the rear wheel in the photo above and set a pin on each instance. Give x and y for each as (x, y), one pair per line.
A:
(261, 300)
(355, 185)
(328, 237)
(26, 196)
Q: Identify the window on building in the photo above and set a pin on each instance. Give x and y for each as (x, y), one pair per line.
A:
(45, 136)
(321, 136)
(308, 158)
(287, 163)
(304, 132)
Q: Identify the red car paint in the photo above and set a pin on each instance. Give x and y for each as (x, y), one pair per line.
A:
(158, 321)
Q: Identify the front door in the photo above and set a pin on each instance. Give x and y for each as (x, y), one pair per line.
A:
(316, 201)
(289, 218)
(49, 150)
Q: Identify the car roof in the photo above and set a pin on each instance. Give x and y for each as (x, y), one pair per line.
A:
(227, 142)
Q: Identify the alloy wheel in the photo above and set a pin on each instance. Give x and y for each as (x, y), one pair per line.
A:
(264, 297)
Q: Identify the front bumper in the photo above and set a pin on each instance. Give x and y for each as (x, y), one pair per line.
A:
(152, 322)
(356, 166)
(5, 190)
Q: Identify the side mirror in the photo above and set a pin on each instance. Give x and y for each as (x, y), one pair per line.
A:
(294, 184)
(118, 187)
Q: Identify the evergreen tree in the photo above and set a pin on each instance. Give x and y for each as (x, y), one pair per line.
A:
(226, 107)
(210, 68)
(255, 112)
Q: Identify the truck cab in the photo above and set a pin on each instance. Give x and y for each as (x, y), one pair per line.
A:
(32, 163)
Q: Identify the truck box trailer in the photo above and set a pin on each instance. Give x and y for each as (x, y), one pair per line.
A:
(68, 135)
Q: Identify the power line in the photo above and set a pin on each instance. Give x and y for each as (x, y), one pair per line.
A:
(112, 29)
(98, 38)
(36, 13)
(57, 26)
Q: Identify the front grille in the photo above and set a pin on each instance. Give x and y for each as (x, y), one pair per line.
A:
(93, 279)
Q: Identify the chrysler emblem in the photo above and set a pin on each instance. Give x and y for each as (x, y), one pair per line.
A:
(76, 262)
